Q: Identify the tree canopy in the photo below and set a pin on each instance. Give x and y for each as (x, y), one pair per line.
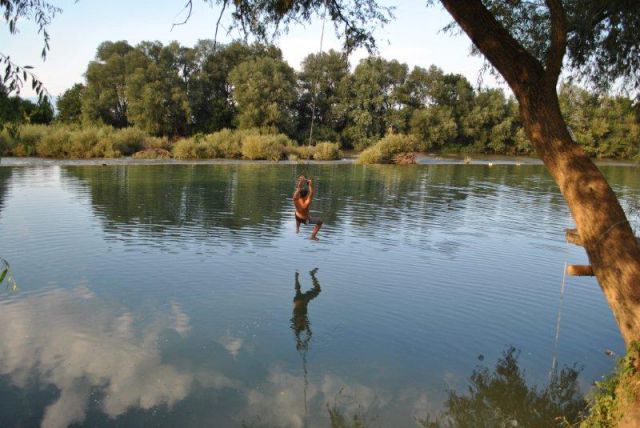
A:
(15, 110)
(603, 44)
(174, 90)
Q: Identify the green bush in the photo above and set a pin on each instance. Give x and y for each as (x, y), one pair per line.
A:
(268, 147)
(156, 143)
(81, 143)
(71, 141)
(25, 140)
(372, 155)
(222, 144)
(185, 149)
(128, 140)
(154, 153)
(387, 148)
(302, 152)
(7, 138)
(55, 144)
(105, 147)
(327, 151)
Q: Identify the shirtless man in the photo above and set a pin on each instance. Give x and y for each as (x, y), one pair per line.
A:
(302, 200)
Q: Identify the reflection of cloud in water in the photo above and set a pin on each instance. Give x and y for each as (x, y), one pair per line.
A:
(232, 345)
(352, 397)
(281, 401)
(73, 340)
(180, 319)
(424, 407)
(89, 349)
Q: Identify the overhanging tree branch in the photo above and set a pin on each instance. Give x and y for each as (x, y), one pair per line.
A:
(215, 36)
(517, 66)
(189, 8)
(558, 42)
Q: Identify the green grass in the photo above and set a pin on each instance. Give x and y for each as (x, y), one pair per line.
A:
(75, 142)
(615, 393)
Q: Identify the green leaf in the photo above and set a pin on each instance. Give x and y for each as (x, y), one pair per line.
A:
(3, 274)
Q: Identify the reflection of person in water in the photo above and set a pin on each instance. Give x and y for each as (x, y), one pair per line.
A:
(300, 321)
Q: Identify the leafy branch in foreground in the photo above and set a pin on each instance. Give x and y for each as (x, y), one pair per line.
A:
(5, 274)
(15, 76)
(40, 12)
(355, 20)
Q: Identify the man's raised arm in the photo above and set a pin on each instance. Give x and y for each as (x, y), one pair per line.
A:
(310, 183)
(299, 183)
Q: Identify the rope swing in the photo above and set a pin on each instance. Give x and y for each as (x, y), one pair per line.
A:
(315, 84)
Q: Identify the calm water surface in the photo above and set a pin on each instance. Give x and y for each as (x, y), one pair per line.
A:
(181, 295)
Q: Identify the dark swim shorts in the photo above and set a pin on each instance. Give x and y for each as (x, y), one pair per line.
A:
(309, 220)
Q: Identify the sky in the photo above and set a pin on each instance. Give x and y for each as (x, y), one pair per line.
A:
(413, 37)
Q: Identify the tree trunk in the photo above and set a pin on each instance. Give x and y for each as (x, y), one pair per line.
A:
(603, 227)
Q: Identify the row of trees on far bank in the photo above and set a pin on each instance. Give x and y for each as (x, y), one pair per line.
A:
(179, 91)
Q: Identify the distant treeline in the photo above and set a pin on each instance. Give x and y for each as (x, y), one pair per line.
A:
(175, 91)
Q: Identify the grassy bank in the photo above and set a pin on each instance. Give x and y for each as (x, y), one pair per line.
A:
(95, 142)
(75, 142)
(615, 401)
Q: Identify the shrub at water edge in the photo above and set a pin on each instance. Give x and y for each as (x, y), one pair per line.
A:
(265, 147)
(157, 143)
(222, 144)
(387, 148)
(128, 140)
(185, 149)
(22, 140)
(327, 151)
(152, 153)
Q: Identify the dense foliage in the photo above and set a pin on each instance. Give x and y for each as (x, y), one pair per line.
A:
(175, 91)
(15, 110)
(63, 141)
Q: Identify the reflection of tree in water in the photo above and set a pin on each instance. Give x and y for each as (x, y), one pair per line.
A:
(502, 398)
(5, 269)
(209, 200)
(166, 199)
(499, 398)
(5, 175)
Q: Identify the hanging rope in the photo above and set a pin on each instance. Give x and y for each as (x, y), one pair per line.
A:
(315, 83)
(554, 361)
(306, 386)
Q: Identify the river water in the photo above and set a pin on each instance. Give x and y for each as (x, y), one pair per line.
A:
(170, 295)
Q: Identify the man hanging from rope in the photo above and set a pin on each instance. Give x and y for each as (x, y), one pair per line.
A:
(302, 200)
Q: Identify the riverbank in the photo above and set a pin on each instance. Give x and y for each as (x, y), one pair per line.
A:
(348, 158)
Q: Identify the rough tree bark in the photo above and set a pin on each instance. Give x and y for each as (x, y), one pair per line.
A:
(603, 227)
